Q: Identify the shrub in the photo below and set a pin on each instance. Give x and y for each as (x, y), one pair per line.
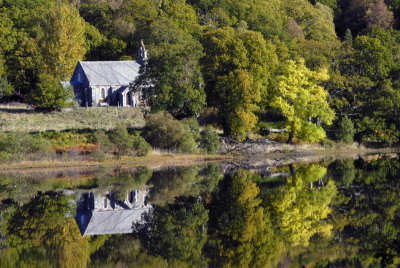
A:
(121, 139)
(5, 156)
(187, 144)
(163, 131)
(345, 131)
(9, 143)
(16, 145)
(50, 94)
(34, 144)
(99, 155)
(193, 126)
(65, 138)
(209, 140)
(310, 132)
(140, 145)
(103, 141)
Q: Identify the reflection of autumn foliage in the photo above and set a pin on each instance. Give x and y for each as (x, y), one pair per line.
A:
(42, 223)
(236, 220)
(247, 231)
(299, 208)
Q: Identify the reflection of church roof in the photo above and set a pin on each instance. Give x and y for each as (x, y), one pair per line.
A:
(99, 214)
(109, 221)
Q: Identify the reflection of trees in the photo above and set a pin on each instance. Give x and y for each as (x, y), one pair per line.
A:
(344, 171)
(236, 221)
(302, 220)
(372, 212)
(172, 182)
(42, 226)
(298, 209)
(176, 231)
(365, 217)
(246, 232)
(120, 183)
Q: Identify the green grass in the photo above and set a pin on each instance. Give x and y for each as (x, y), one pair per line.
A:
(23, 119)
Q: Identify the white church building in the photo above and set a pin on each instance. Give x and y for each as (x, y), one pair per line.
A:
(106, 83)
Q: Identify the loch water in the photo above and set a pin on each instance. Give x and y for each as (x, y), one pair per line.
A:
(330, 213)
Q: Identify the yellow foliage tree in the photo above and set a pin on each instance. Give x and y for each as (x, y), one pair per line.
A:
(298, 95)
(64, 42)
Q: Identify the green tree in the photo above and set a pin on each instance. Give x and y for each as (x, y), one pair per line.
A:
(209, 140)
(364, 85)
(237, 67)
(297, 94)
(5, 87)
(171, 79)
(315, 20)
(345, 131)
(50, 94)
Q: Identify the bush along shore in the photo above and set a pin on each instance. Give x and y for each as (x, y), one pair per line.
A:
(161, 138)
(162, 133)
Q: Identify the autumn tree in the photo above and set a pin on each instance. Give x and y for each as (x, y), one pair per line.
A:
(297, 94)
(360, 14)
(63, 44)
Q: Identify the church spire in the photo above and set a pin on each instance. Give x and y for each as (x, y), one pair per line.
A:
(142, 53)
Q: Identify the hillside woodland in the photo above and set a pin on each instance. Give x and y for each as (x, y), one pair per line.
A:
(317, 69)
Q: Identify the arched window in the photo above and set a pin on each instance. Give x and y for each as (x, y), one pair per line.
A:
(103, 93)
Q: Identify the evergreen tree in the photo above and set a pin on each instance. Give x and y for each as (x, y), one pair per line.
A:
(50, 94)
(345, 131)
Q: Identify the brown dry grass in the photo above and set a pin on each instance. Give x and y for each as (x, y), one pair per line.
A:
(23, 119)
(151, 161)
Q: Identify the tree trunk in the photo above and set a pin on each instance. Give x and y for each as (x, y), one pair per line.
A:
(290, 139)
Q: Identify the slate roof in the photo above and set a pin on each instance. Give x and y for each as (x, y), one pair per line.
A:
(109, 221)
(110, 72)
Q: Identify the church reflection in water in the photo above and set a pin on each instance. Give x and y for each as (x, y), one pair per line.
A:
(99, 214)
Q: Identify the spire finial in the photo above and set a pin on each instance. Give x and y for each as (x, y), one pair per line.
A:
(142, 52)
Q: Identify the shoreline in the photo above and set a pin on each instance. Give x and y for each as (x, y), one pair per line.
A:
(272, 156)
(152, 161)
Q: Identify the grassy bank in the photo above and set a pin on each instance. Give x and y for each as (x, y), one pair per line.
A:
(23, 119)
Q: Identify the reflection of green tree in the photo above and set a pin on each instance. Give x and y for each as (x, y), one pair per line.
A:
(126, 251)
(344, 171)
(120, 183)
(176, 231)
(42, 223)
(172, 182)
(373, 212)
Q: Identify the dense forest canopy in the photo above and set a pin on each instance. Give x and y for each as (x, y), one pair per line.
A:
(307, 66)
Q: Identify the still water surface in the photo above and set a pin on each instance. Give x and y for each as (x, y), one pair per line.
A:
(338, 213)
